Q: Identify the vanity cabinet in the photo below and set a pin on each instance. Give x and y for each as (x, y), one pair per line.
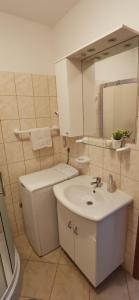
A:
(78, 239)
(69, 94)
(65, 223)
(97, 248)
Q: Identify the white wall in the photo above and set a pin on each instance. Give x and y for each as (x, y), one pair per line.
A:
(90, 19)
(25, 46)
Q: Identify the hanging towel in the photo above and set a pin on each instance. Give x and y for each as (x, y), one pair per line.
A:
(41, 138)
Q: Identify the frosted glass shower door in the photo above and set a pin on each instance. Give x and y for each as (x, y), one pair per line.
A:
(3, 283)
(7, 251)
(4, 254)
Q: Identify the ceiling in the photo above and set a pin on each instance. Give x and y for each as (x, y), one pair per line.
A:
(46, 12)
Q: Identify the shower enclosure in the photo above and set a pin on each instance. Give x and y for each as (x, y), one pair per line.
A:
(9, 259)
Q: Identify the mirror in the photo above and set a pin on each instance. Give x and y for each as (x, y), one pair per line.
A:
(110, 91)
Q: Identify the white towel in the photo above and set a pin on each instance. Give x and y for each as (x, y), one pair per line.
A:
(41, 138)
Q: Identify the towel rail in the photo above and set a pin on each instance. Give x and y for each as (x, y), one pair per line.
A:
(18, 131)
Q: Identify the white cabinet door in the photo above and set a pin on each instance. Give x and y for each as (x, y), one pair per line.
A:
(69, 94)
(63, 96)
(85, 246)
(65, 224)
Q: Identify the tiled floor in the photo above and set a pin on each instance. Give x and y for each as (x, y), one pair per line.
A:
(55, 277)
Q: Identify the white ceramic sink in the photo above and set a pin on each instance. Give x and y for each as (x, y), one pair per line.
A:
(82, 195)
(77, 195)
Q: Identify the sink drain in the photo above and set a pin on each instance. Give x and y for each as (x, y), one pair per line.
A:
(89, 202)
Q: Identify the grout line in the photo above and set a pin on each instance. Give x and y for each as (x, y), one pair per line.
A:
(57, 266)
(127, 286)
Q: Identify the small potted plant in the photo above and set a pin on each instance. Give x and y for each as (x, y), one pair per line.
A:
(117, 139)
(126, 135)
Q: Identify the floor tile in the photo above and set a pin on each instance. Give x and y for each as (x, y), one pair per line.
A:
(52, 257)
(133, 287)
(70, 284)
(113, 288)
(23, 247)
(38, 280)
(64, 258)
(23, 264)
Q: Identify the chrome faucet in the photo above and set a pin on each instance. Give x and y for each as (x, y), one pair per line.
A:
(97, 182)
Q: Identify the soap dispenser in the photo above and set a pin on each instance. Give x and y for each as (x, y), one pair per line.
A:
(111, 184)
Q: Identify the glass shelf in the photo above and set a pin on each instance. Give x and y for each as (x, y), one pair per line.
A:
(101, 143)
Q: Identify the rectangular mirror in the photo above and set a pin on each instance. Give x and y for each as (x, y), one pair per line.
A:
(110, 91)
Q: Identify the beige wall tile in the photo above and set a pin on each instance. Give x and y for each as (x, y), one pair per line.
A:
(96, 155)
(27, 124)
(46, 162)
(8, 127)
(5, 174)
(63, 158)
(53, 106)
(8, 194)
(57, 144)
(52, 85)
(40, 85)
(2, 155)
(55, 121)
(132, 221)
(42, 107)
(95, 171)
(128, 263)
(26, 107)
(132, 187)
(32, 165)
(15, 192)
(57, 159)
(23, 247)
(46, 151)
(7, 85)
(130, 165)
(8, 108)
(23, 84)
(112, 161)
(12, 219)
(14, 152)
(130, 242)
(1, 137)
(43, 122)
(28, 152)
(19, 218)
(15, 171)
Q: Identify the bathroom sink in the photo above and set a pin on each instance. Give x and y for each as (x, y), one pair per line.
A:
(82, 195)
(77, 195)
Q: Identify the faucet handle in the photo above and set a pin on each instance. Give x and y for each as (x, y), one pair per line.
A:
(98, 179)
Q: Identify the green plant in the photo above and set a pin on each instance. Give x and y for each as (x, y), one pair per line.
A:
(117, 135)
(126, 133)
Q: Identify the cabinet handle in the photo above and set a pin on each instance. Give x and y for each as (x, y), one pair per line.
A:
(70, 225)
(75, 230)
